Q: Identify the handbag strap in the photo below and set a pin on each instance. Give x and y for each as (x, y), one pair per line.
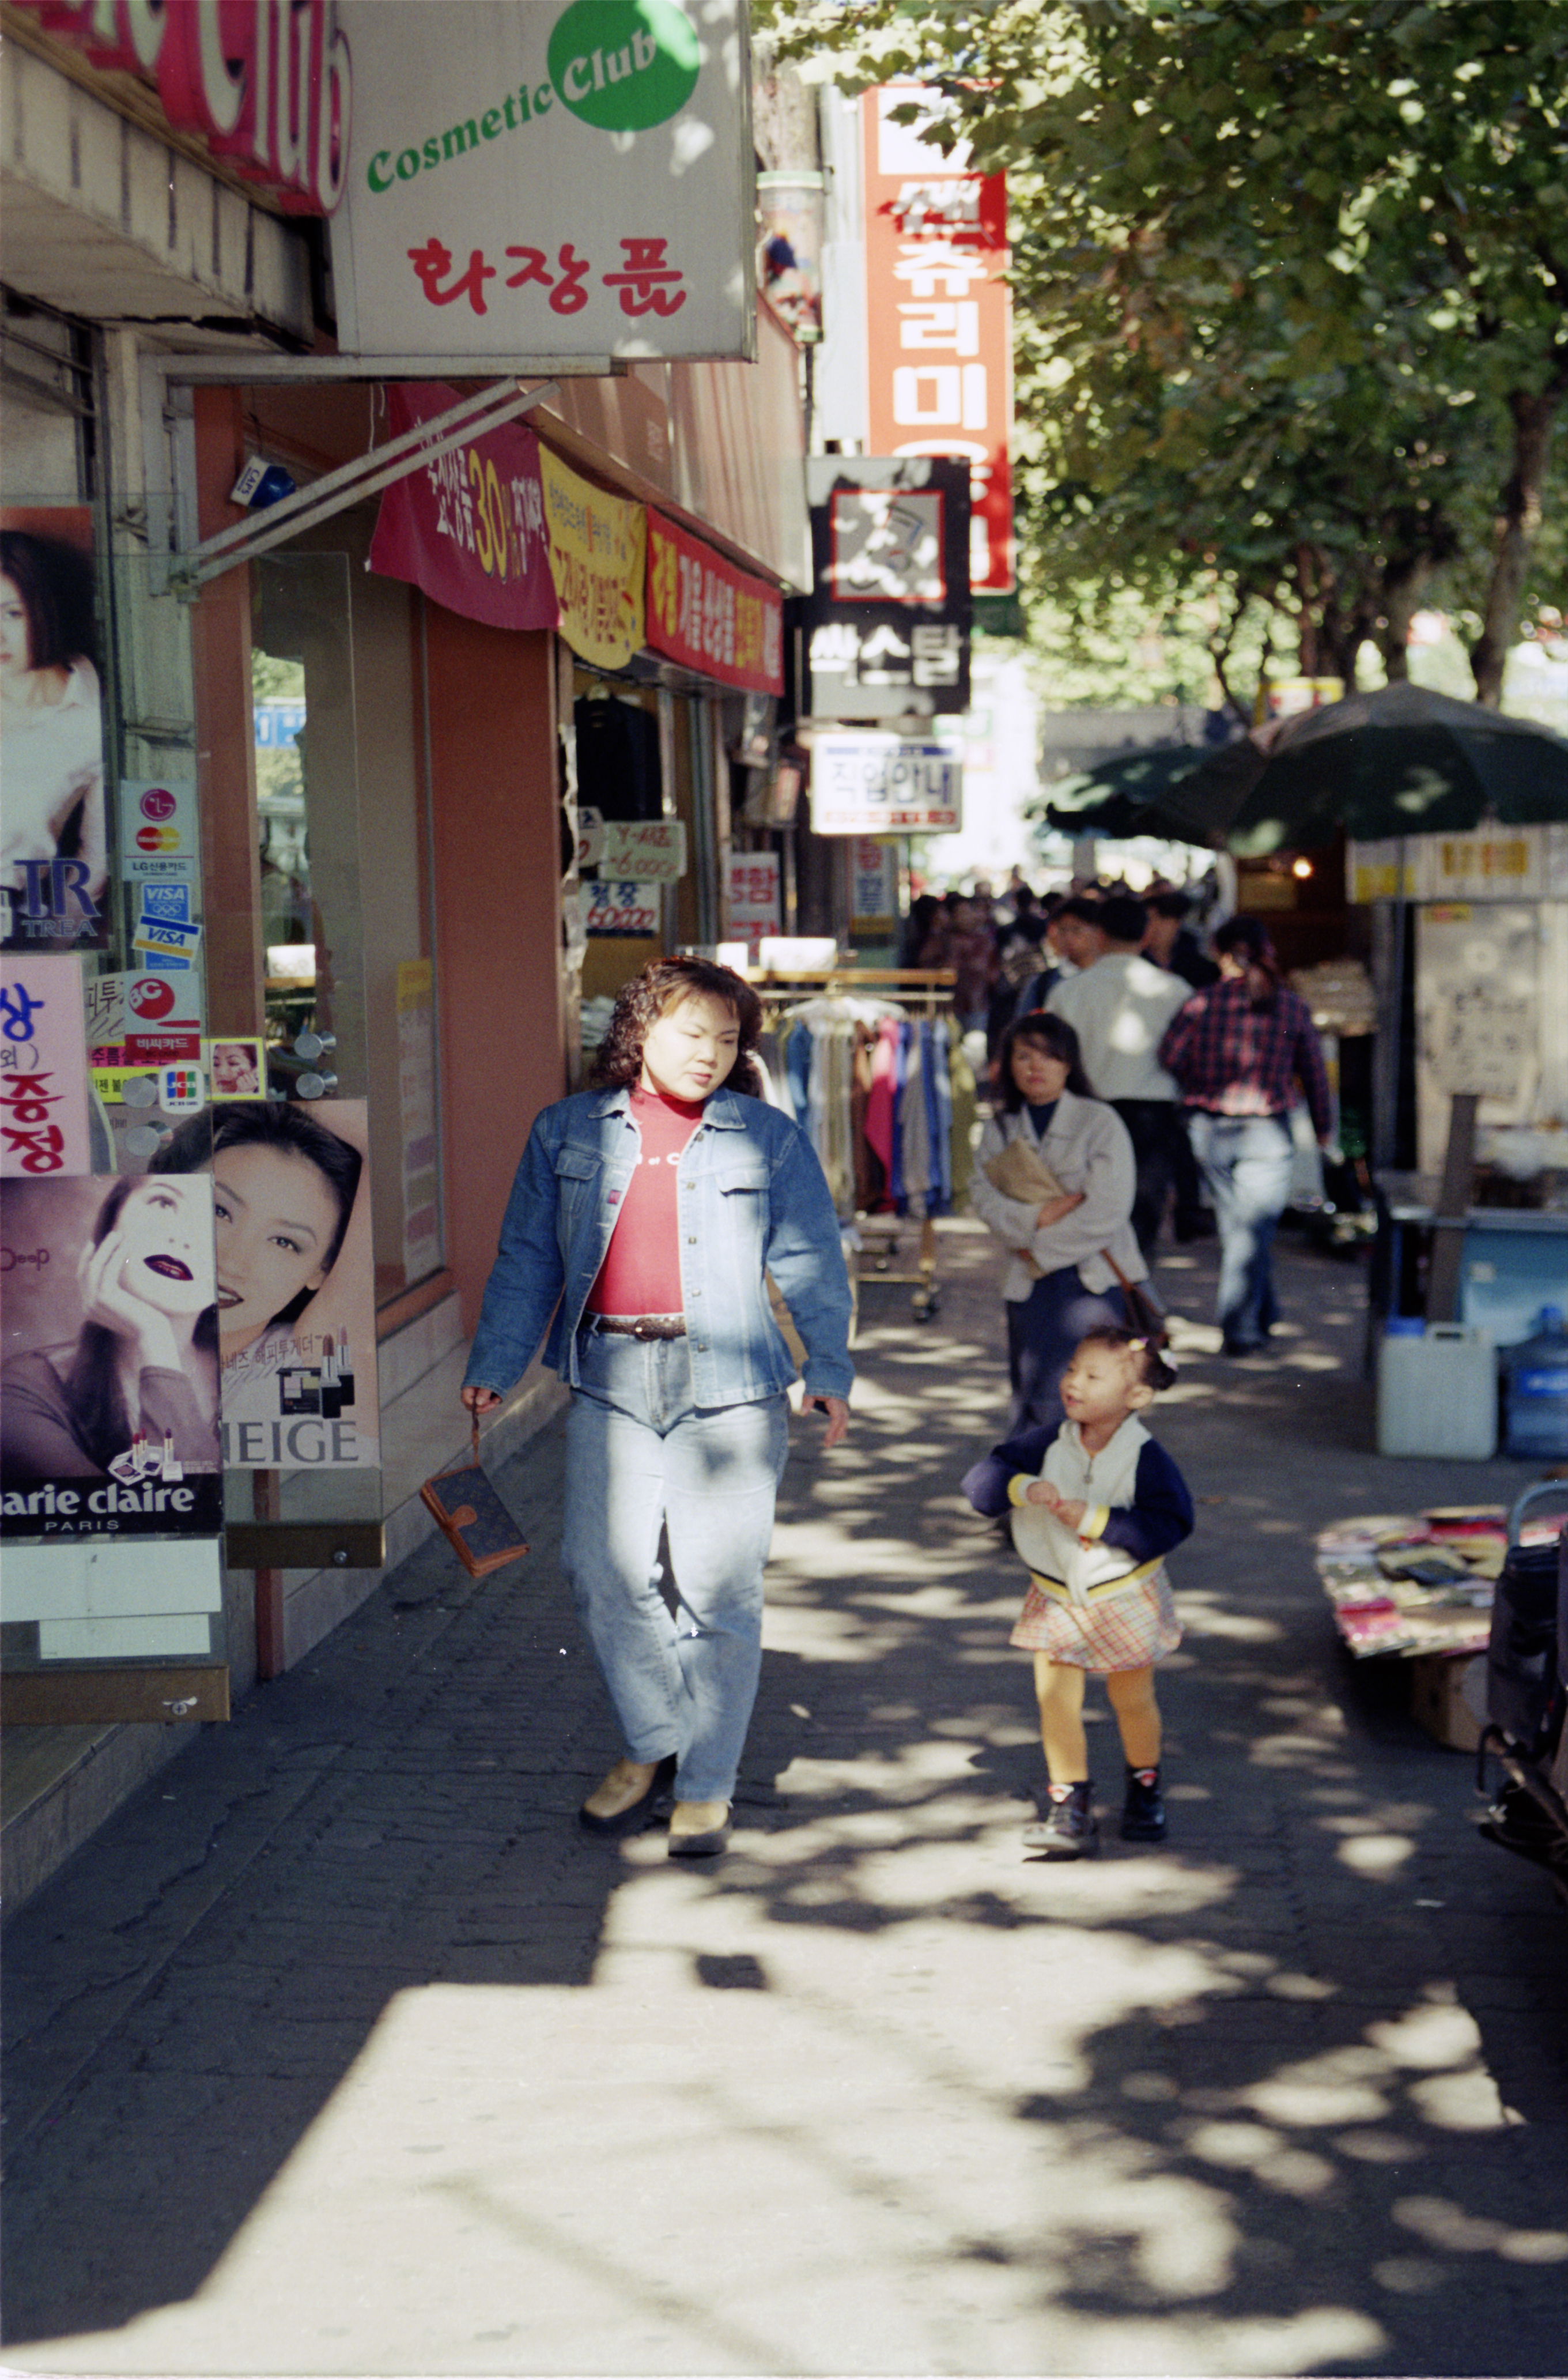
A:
(1140, 1305)
(1116, 1267)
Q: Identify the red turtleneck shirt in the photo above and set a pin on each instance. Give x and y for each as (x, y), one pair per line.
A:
(640, 1273)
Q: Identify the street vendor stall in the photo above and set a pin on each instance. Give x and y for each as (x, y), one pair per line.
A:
(1418, 1587)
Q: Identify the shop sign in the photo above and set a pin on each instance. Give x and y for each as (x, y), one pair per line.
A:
(882, 785)
(653, 850)
(939, 334)
(1517, 863)
(712, 617)
(53, 853)
(279, 721)
(614, 905)
(469, 528)
(890, 608)
(265, 83)
(43, 1126)
(753, 896)
(97, 1274)
(597, 550)
(548, 180)
(874, 882)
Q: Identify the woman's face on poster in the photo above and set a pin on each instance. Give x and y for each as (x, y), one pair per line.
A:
(275, 1216)
(234, 1068)
(165, 1232)
(15, 631)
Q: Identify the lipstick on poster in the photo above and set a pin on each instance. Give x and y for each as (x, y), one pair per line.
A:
(345, 1371)
(331, 1388)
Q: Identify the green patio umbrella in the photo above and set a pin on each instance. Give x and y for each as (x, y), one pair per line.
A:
(1121, 794)
(1400, 761)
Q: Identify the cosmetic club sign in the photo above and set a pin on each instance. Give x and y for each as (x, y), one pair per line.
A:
(267, 84)
(548, 180)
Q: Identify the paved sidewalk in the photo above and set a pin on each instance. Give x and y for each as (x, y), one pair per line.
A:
(343, 2050)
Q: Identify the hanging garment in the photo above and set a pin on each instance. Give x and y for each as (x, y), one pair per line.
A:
(618, 772)
(916, 1130)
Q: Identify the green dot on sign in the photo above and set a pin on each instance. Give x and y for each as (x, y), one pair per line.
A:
(624, 64)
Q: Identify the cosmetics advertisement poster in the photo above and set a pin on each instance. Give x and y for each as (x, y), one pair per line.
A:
(296, 1279)
(53, 847)
(109, 1384)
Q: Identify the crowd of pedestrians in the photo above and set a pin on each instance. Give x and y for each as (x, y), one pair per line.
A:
(1198, 1054)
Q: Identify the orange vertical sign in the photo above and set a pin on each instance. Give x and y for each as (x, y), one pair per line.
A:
(940, 326)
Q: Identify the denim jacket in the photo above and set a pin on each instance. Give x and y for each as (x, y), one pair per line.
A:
(752, 1200)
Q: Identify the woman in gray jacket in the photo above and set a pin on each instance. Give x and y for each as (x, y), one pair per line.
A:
(1062, 1281)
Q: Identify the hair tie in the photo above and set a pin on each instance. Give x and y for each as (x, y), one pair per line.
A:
(1138, 1345)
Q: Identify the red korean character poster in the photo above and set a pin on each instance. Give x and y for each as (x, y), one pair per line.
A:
(44, 1099)
(940, 343)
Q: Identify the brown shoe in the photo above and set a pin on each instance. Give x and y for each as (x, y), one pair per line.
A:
(625, 1802)
(698, 1829)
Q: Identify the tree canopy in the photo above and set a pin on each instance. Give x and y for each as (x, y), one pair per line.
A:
(1291, 286)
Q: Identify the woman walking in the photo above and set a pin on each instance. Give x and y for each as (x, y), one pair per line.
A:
(644, 1223)
(1238, 1051)
(1053, 1182)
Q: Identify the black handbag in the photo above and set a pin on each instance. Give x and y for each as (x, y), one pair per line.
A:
(472, 1517)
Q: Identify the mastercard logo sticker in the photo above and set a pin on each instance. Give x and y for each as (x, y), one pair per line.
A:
(157, 838)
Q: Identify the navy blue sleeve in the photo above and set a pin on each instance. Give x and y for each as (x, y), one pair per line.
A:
(985, 1483)
(1160, 1514)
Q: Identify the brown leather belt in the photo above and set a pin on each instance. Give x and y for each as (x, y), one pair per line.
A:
(637, 1325)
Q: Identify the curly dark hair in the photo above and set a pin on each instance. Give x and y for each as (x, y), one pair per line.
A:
(661, 985)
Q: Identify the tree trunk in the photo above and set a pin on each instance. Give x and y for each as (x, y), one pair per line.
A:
(1516, 527)
(1405, 584)
(1310, 588)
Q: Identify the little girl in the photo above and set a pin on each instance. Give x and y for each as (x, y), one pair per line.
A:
(1095, 1509)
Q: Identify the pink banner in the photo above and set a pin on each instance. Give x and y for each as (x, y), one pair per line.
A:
(468, 527)
(716, 619)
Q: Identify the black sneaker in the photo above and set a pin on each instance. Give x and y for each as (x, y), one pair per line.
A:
(1068, 1830)
(1143, 1812)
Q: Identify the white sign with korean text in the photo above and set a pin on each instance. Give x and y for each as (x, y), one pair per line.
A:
(617, 907)
(653, 850)
(549, 180)
(882, 785)
(753, 887)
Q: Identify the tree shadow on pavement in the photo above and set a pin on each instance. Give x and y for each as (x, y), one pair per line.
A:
(1289, 2094)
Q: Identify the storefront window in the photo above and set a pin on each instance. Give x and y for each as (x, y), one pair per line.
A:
(336, 680)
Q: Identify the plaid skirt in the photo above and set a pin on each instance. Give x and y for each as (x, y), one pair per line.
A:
(1125, 1630)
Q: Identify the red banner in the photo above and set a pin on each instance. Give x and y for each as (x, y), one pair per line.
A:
(940, 319)
(705, 613)
(468, 527)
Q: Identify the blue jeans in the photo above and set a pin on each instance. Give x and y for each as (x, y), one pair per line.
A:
(1043, 1330)
(1246, 1162)
(639, 1455)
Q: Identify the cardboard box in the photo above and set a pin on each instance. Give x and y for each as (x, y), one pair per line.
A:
(1438, 1699)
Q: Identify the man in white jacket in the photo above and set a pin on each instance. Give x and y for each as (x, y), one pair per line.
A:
(1119, 1006)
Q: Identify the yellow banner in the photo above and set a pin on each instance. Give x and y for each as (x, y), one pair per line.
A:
(597, 547)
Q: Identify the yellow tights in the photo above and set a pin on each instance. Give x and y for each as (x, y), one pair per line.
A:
(1059, 1688)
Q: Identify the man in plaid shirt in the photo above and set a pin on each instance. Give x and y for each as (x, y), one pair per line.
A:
(1239, 1051)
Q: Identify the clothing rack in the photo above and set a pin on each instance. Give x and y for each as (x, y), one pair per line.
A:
(920, 992)
(925, 990)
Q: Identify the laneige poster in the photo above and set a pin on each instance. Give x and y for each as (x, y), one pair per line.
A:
(295, 1276)
(109, 1389)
